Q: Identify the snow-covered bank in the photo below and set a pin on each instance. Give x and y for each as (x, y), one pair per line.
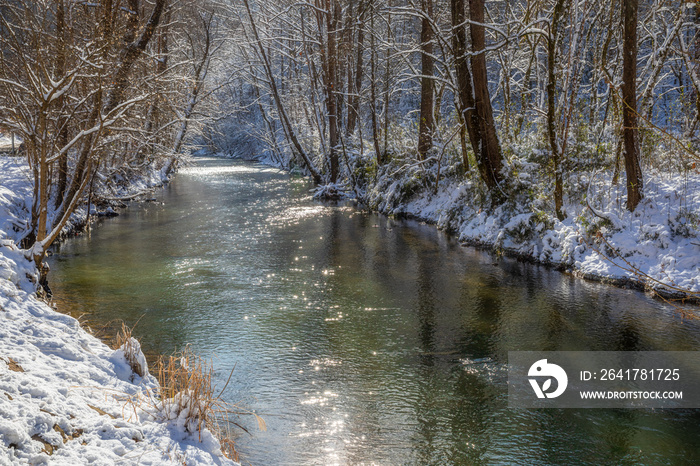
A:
(65, 397)
(656, 247)
(16, 195)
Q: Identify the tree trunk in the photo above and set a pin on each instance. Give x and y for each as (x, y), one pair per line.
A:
(552, 126)
(331, 85)
(354, 101)
(635, 182)
(373, 91)
(465, 93)
(61, 35)
(132, 52)
(696, 55)
(289, 131)
(489, 152)
(387, 83)
(427, 91)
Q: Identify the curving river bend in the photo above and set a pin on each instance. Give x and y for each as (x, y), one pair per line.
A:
(362, 339)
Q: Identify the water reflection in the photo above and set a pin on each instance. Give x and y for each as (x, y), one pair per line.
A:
(362, 338)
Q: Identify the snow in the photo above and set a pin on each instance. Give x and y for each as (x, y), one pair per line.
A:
(330, 191)
(15, 196)
(6, 142)
(65, 397)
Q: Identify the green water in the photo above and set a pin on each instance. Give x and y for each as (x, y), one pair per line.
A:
(362, 339)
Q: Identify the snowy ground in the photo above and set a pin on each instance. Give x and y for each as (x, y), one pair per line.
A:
(6, 142)
(65, 397)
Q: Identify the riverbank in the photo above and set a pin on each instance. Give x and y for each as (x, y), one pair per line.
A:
(64, 395)
(656, 248)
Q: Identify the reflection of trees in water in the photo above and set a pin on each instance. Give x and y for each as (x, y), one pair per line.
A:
(454, 405)
(479, 307)
(428, 405)
(425, 303)
(627, 338)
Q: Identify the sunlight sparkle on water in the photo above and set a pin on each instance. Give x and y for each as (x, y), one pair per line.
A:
(334, 319)
(218, 170)
(295, 214)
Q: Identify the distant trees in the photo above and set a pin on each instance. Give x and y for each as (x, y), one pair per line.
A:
(397, 78)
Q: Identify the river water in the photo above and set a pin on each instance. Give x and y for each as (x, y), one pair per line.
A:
(359, 338)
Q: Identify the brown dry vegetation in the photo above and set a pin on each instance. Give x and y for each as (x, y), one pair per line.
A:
(185, 393)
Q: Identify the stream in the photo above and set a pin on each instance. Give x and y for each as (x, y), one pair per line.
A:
(360, 338)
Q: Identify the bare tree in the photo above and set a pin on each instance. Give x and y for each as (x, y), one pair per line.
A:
(465, 93)
(356, 84)
(554, 146)
(57, 92)
(373, 88)
(289, 130)
(329, 58)
(427, 83)
(635, 181)
(489, 153)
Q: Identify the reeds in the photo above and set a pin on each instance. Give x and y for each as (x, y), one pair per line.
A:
(132, 351)
(185, 392)
(185, 395)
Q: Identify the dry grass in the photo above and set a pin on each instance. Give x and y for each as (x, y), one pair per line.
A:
(132, 351)
(185, 394)
(185, 389)
(123, 335)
